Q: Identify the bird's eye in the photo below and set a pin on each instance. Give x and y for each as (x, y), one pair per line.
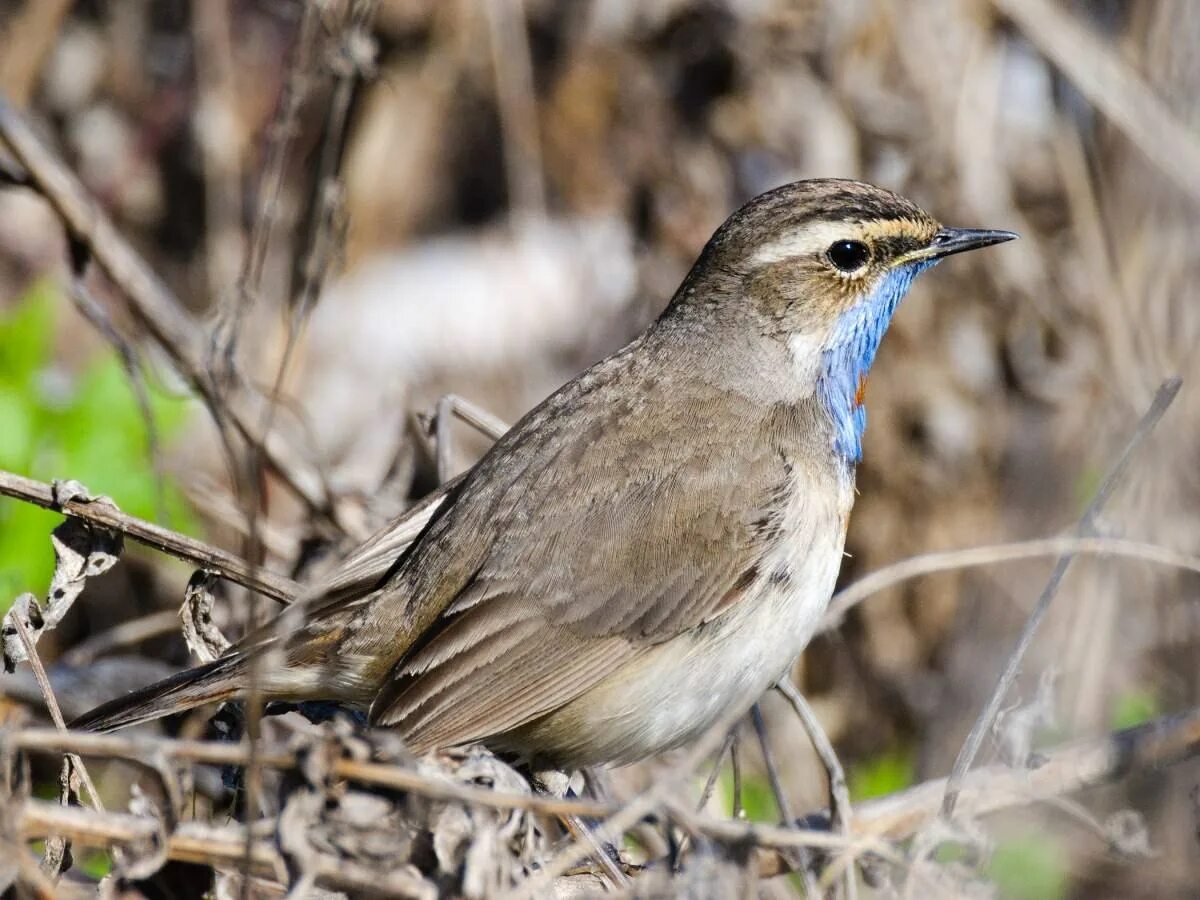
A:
(848, 256)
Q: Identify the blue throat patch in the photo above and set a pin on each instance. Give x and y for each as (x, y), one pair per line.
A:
(847, 359)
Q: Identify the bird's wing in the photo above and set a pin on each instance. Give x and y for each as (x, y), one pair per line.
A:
(609, 536)
(368, 563)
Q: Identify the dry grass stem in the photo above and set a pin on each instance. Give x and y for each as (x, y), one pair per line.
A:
(1086, 528)
(210, 558)
(1113, 87)
(841, 814)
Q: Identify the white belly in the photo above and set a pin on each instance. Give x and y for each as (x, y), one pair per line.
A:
(674, 692)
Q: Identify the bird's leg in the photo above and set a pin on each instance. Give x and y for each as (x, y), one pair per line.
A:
(735, 765)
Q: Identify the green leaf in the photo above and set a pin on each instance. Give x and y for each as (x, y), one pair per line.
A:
(92, 430)
(16, 429)
(757, 799)
(1029, 867)
(26, 559)
(96, 863)
(26, 336)
(1134, 707)
(885, 774)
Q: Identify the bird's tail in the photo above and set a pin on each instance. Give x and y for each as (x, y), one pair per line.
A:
(221, 679)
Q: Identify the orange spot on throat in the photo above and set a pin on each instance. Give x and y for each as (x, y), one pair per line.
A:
(861, 393)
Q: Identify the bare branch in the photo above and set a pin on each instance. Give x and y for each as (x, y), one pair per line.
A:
(1087, 528)
(841, 812)
(151, 302)
(1063, 770)
(207, 557)
(994, 554)
(140, 750)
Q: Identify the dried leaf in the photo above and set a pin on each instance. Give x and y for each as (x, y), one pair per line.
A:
(143, 859)
(203, 637)
(81, 550)
(1017, 728)
(57, 858)
(328, 826)
(1128, 833)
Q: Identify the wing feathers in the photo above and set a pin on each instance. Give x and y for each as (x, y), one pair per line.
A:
(518, 690)
(569, 577)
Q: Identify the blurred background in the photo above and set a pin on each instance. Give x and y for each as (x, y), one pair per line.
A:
(482, 197)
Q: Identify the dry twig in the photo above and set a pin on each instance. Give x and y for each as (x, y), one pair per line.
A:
(151, 302)
(1062, 770)
(1086, 528)
(1113, 86)
(994, 554)
(207, 557)
(840, 811)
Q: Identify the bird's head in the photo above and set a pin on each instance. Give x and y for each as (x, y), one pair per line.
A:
(820, 267)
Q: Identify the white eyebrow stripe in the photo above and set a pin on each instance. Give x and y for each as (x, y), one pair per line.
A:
(805, 240)
(815, 236)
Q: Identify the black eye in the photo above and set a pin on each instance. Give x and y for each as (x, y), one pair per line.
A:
(848, 256)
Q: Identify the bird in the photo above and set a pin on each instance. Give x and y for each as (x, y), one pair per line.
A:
(652, 544)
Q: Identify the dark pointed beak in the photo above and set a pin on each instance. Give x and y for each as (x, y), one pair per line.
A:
(949, 241)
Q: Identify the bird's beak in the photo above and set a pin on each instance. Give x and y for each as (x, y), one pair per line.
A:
(956, 240)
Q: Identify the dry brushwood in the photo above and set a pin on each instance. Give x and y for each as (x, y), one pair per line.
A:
(331, 808)
(445, 803)
(81, 550)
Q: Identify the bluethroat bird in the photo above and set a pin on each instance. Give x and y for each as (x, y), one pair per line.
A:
(653, 543)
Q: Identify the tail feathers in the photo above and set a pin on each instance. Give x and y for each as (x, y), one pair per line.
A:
(210, 683)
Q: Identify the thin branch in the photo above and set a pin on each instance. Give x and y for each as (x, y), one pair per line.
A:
(1113, 86)
(1086, 528)
(738, 811)
(448, 407)
(840, 811)
(57, 846)
(150, 301)
(141, 750)
(228, 566)
(797, 862)
(213, 845)
(786, 814)
(609, 872)
(56, 716)
(1063, 770)
(89, 307)
(994, 554)
(711, 783)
